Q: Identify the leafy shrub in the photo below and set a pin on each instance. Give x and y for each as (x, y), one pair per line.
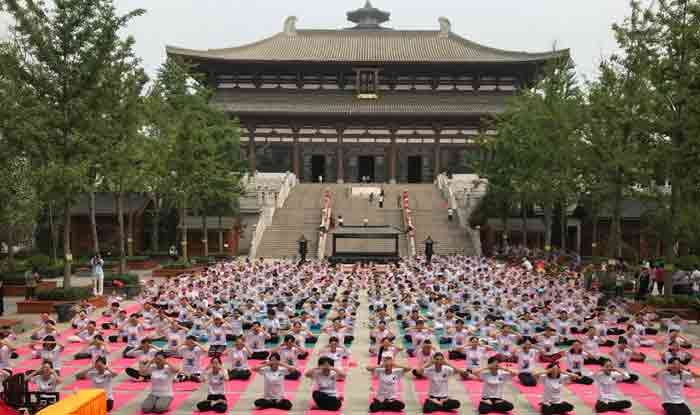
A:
(178, 265)
(13, 278)
(40, 262)
(203, 260)
(687, 263)
(127, 279)
(138, 258)
(55, 271)
(65, 294)
(676, 301)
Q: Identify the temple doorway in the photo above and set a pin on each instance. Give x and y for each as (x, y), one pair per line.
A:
(318, 168)
(415, 169)
(365, 168)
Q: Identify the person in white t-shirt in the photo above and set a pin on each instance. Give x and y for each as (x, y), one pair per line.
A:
(554, 380)
(673, 379)
(438, 372)
(494, 378)
(163, 375)
(608, 397)
(274, 372)
(388, 377)
(325, 377)
(101, 377)
(216, 377)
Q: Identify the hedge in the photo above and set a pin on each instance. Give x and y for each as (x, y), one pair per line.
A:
(63, 294)
(676, 301)
(127, 279)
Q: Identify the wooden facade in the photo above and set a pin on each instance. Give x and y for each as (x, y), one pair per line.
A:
(366, 101)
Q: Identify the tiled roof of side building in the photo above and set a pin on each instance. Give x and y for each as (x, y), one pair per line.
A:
(339, 102)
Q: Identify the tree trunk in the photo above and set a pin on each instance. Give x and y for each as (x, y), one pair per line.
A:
(183, 212)
(523, 217)
(674, 216)
(54, 235)
(93, 225)
(130, 235)
(221, 235)
(120, 218)
(594, 236)
(614, 242)
(10, 248)
(547, 222)
(155, 225)
(67, 256)
(563, 225)
(205, 234)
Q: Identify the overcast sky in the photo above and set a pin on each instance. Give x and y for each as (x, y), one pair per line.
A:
(532, 25)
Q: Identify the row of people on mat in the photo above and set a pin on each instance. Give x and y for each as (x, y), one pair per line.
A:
(162, 374)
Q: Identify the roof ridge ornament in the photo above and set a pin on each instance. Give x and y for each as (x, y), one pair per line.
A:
(290, 26)
(445, 26)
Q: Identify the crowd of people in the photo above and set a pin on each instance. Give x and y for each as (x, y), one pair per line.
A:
(465, 318)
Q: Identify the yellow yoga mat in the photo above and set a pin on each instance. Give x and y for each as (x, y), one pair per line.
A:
(83, 402)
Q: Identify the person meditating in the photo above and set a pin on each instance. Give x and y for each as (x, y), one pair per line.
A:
(325, 377)
(274, 372)
(438, 372)
(388, 377)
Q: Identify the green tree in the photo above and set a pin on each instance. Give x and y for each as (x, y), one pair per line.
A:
(533, 152)
(662, 43)
(197, 142)
(614, 146)
(60, 54)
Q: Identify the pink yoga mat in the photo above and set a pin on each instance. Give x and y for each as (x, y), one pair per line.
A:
(178, 399)
(186, 386)
(121, 399)
(643, 395)
(239, 386)
(132, 386)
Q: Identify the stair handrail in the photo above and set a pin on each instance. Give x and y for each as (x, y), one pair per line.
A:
(269, 202)
(325, 226)
(470, 199)
(408, 223)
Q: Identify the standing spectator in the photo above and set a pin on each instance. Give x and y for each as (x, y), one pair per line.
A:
(450, 213)
(371, 198)
(694, 280)
(381, 200)
(643, 283)
(98, 274)
(659, 276)
(340, 221)
(31, 278)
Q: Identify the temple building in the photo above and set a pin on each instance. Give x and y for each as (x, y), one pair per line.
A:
(366, 101)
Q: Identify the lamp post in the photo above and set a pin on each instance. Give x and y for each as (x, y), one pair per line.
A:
(303, 243)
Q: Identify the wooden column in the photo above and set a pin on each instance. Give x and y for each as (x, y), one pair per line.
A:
(437, 153)
(252, 162)
(392, 157)
(295, 154)
(340, 165)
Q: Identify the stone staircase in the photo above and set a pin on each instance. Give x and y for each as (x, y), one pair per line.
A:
(429, 210)
(355, 209)
(301, 214)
